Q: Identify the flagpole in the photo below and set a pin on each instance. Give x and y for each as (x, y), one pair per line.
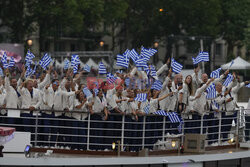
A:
(201, 47)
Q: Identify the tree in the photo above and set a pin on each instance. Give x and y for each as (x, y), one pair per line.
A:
(234, 21)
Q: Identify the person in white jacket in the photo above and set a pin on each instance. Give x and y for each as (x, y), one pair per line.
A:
(31, 101)
(99, 109)
(81, 108)
(54, 101)
(13, 97)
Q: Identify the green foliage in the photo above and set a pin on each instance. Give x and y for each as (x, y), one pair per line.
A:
(134, 22)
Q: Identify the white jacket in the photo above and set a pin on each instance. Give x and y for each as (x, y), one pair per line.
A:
(82, 112)
(28, 100)
(99, 104)
(12, 99)
(54, 100)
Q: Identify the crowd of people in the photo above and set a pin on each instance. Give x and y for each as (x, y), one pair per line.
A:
(61, 102)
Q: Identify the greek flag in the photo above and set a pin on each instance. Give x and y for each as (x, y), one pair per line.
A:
(140, 62)
(161, 112)
(4, 60)
(86, 68)
(127, 82)
(28, 58)
(45, 61)
(87, 92)
(123, 60)
(75, 68)
(176, 67)
(141, 97)
(133, 55)
(248, 85)
(202, 56)
(157, 85)
(147, 53)
(111, 78)
(102, 68)
(215, 73)
(1, 72)
(153, 71)
(74, 63)
(228, 80)
(11, 62)
(66, 64)
(28, 72)
(34, 70)
(75, 60)
(173, 117)
(211, 92)
(146, 109)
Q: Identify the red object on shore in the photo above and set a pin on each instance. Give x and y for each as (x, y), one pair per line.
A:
(6, 131)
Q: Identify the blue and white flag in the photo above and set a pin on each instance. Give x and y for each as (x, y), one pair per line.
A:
(4, 60)
(11, 62)
(161, 112)
(102, 68)
(111, 78)
(1, 72)
(228, 80)
(28, 58)
(75, 60)
(127, 82)
(146, 109)
(211, 92)
(176, 67)
(87, 92)
(34, 70)
(215, 73)
(147, 53)
(123, 60)
(28, 72)
(133, 55)
(75, 68)
(248, 85)
(152, 71)
(141, 97)
(202, 56)
(173, 117)
(66, 64)
(45, 61)
(86, 68)
(157, 85)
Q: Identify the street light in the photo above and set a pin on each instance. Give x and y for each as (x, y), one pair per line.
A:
(29, 42)
(101, 43)
(156, 44)
(160, 10)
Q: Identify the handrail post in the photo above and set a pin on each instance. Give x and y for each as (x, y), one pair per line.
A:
(122, 134)
(237, 129)
(219, 133)
(36, 129)
(88, 131)
(143, 131)
(163, 128)
(202, 124)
